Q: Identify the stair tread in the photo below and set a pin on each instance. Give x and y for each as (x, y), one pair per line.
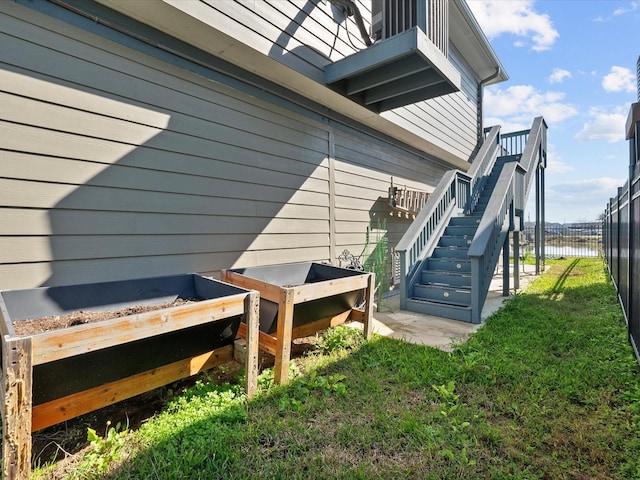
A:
(433, 270)
(449, 259)
(446, 285)
(436, 302)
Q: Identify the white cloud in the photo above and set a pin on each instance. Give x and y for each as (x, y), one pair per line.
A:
(635, 5)
(620, 79)
(558, 75)
(578, 190)
(554, 161)
(579, 199)
(521, 103)
(505, 125)
(516, 17)
(606, 126)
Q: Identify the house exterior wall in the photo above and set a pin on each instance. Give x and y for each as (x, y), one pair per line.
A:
(306, 35)
(122, 162)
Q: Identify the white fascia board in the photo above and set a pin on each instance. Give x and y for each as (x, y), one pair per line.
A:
(470, 40)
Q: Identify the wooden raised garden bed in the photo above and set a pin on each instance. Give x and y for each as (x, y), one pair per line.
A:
(51, 376)
(300, 299)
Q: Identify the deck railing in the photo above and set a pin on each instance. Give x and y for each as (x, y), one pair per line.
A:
(495, 224)
(421, 237)
(392, 17)
(481, 167)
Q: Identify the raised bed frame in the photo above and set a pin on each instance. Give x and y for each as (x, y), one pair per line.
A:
(20, 354)
(288, 296)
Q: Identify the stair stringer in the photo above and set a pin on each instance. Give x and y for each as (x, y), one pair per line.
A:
(479, 292)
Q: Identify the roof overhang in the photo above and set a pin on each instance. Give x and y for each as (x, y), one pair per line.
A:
(401, 70)
(467, 36)
(193, 23)
(632, 119)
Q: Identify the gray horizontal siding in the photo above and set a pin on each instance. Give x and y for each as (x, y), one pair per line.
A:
(363, 172)
(304, 35)
(301, 34)
(116, 164)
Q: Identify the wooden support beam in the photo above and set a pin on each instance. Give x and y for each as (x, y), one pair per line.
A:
(252, 322)
(283, 336)
(368, 307)
(17, 384)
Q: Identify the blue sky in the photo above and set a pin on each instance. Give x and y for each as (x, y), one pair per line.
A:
(573, 62)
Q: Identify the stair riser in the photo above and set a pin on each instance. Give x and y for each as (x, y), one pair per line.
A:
(455, 241)
(464, 221)
(460, 231)
(442, 294)
(446, 311)
(450, 252)
(454, 265)
(446, 278)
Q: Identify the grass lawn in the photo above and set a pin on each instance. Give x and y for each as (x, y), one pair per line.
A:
(548, 388)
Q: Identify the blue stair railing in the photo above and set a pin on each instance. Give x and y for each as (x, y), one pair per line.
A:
(451, 194)
(526, 149)
(457, 195)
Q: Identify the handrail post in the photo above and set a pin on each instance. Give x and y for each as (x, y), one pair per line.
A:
(476, 300)
(505, 266)
(403, 279)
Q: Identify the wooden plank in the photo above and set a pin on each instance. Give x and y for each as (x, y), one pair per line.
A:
(16, 409)
(155, 82)
(316, 326)
(193, 106)
(136, 181)
(368, 308)
(33, 112)
(267, 291)
(197, 142)
(283, 336)
(27, 194)
(30, 275)
(264, 37)
(59, 410)
(313, 291)
(252, 328)
(26, 83)
(266, 342)
(72, 341)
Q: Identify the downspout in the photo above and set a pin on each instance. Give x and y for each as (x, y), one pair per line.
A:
(351, 9)
(481, 106)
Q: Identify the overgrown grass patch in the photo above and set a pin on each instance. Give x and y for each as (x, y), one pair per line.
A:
(548, 388)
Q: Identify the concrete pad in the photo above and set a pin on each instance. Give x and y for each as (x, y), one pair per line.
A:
(441, 332)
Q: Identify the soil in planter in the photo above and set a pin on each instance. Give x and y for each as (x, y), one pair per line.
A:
(55, 322)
